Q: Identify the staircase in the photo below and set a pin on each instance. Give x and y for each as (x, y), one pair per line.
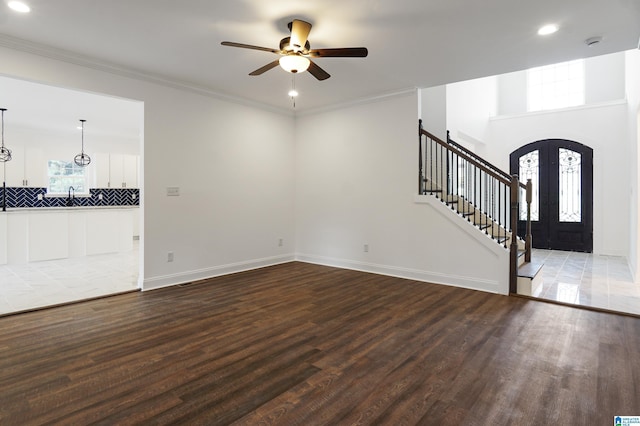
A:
(482, 194)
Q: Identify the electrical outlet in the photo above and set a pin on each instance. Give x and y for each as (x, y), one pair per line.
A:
(366, 248)
(280, 242)
(170, 256)
(100, 196)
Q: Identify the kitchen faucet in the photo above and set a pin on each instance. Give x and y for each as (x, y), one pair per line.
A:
(70, 199)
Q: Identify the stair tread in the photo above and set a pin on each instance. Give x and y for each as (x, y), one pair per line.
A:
(530, 269)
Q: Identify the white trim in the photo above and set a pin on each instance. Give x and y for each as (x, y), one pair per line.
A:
(470, 139)
(560, 110)
(216, 271)
(471, 283)
(100, 65)
(359, 101)
(463, 224)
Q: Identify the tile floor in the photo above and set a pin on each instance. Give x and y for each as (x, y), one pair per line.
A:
(39, 284)
(588, 279)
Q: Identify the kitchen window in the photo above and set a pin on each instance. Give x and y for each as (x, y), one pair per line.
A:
(64, 174)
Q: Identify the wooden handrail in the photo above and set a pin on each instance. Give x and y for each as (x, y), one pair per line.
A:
(512, 183)
(468, 158)
(474, 155)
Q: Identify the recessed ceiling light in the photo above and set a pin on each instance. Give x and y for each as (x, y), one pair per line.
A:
(19, 6)
(548, 29)
(293, 93)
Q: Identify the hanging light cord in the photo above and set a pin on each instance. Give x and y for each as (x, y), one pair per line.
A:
(3, 110)
(82, 148)
(293, 89)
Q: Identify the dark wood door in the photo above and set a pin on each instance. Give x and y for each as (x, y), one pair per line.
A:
(562, 208)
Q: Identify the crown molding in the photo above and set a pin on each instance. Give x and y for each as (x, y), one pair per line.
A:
(359, 101)
(74, 58)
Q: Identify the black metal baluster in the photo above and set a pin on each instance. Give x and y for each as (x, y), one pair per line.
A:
(506, 207)
(482, 177)
(457, 180)
(449, 153)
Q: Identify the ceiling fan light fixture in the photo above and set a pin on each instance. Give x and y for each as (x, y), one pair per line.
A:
(294, 63)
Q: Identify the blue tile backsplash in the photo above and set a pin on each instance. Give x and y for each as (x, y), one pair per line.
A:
(28, 197)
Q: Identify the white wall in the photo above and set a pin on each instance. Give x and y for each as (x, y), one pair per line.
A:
(602, 128)
(356, 174)
(469, 106)
(602, 125)
(433, 110)
(604, 78)
(232, 162)
(633, 98)
(604, 81)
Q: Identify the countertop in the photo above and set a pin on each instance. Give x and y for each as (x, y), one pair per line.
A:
(61, 209)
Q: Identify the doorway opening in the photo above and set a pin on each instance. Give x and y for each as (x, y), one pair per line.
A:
(561, 172)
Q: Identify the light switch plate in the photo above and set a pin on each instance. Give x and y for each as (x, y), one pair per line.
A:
(173, 191)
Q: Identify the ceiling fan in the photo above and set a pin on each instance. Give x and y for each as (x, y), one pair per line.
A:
(295, 52)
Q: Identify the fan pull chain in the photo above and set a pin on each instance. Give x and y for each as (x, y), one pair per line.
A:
(293, 92)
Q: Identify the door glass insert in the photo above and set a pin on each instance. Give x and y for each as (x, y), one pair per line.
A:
(570, 197)
(530, 169)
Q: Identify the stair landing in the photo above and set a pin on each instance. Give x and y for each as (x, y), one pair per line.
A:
(530, 278)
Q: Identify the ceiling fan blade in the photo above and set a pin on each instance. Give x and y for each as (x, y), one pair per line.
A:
(265, 68)
(318, 72)
(299, 34)
(343, 52)
(248, 46)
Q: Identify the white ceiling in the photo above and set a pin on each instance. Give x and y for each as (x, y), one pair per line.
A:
(56, 112)
(412, 43)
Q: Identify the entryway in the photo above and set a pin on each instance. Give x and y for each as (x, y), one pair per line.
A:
(561, 172)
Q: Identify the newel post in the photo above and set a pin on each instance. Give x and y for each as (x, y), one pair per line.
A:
(528, 240)
(513, 253)
(420, 165)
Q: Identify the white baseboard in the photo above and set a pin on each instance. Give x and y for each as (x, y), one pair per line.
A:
(408, 273)
(201, 274)
(472, 283)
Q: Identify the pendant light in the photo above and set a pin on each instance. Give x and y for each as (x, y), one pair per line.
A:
(5, 153)
(82, 159)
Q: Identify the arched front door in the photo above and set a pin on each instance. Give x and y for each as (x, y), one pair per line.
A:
(562, 207)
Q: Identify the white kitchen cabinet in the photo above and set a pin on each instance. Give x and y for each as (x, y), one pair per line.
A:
(28, 167)
(116, 171)
(130, 171)
(36, 234)
(101, 169)
(43, 229)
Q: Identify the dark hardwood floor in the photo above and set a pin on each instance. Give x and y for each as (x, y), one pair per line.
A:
(301, 344)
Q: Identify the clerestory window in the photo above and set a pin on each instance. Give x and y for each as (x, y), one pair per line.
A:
(555, 86)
